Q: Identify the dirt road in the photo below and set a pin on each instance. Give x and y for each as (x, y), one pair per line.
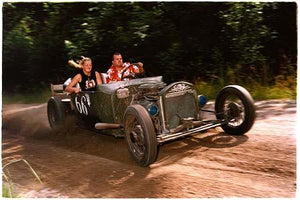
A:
(81, 163)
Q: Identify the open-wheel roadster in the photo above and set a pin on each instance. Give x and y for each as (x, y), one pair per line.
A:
(148, 112)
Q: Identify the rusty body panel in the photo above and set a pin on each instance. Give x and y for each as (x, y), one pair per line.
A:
(104, 103)
(109, 102)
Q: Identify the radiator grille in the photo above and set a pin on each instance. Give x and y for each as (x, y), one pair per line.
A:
(178, 107)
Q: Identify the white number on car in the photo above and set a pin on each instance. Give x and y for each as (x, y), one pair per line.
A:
(80, 105)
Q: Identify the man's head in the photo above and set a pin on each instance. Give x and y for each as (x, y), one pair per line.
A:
(117, 60)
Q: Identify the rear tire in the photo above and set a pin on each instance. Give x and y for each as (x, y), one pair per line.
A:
(140, 135)
(56, 113)
(235, 104)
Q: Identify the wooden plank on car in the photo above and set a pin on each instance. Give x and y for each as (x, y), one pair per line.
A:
(57, 89)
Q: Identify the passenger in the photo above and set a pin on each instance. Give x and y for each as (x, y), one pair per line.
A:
(119, 69)
(88, 78)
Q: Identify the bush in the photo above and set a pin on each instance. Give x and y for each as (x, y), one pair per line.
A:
(284, 87)
(39, 96)
(211, 89)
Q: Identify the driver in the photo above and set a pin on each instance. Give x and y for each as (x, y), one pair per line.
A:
(119, 69)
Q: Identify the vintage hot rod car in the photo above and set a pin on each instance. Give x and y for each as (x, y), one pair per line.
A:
(149, 112)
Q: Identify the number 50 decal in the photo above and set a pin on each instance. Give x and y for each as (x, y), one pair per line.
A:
(80, 105)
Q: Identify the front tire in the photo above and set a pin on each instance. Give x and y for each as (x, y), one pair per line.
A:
(56, 113)
(235, 105)
(140, 135)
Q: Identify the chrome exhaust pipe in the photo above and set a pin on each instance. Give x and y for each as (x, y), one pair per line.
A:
(102, 126)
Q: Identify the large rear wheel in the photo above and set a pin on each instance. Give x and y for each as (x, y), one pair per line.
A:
(235, 105)
(56, 112)
(140, 135)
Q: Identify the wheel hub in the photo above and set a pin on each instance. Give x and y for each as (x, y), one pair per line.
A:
(233, 110)
(136, 134)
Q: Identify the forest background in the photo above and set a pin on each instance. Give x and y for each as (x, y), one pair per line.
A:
(211, 44)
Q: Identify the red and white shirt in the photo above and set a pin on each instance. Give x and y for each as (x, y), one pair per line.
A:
(114, 75)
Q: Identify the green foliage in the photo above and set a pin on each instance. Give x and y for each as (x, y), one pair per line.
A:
(17, 47)
(6, 191)
(209, 89)
(236, 42)
(7, 186)
(277, 91)
(246, 34)
(245, 29)
(38, 96)
(283, 89)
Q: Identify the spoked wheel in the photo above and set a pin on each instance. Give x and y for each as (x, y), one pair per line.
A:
(140, 135)
(235, 105)
(56, 113)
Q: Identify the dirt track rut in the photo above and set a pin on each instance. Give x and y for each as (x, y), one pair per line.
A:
(81, 163)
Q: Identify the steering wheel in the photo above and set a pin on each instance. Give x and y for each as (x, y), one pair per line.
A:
(131, 75)
(123, 71)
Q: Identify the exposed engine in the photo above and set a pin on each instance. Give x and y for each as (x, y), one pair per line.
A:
(151, 90)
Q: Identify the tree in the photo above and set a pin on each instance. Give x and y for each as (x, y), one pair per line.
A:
(233, 42)
(246, 35)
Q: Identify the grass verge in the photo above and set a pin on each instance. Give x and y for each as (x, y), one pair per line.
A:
(7, 187)
(281, 90)
(40, 96)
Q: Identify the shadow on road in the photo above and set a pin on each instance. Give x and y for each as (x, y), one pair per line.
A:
(176, 150)
(273, 108)
(77, 139)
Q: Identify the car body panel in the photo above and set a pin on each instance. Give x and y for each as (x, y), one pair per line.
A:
(104, 104)
(180, 101)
